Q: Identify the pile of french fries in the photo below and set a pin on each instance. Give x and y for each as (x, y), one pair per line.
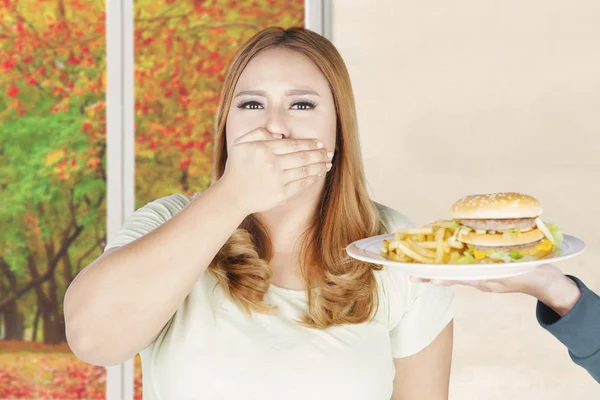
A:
(434, 243)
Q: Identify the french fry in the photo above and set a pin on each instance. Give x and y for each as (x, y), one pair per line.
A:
(393, 245)
(442, 223)
(455, 244)
(416, 231)
(428, 244)
(439, 237)
(424, 252)
(411, 253)
(404, 258)
(454, 255)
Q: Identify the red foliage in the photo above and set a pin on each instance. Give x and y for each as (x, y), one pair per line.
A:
(8, 65)
(184, 164)
(12, 91)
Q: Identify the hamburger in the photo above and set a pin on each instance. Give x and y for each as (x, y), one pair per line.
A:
(503, 227)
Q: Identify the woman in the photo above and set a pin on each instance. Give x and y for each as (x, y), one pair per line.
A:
(245, 290)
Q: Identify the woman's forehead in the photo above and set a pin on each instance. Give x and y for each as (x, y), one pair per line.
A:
(275, 68)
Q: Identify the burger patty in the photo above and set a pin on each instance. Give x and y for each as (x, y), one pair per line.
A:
(500, 225)
(527, 246)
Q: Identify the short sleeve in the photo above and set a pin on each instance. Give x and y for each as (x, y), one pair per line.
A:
(417, 312)
(147, 218)
(426, 312)
(393, 219)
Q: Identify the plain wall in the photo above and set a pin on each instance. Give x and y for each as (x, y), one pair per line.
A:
(480, 96)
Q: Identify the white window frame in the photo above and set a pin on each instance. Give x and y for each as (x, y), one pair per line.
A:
(120, 136)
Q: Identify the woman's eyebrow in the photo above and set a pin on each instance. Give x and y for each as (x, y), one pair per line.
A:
(300, 92)
(291, 92)
(251, 93)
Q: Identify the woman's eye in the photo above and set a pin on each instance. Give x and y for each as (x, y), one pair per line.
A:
(250, 105)
(303, 105)
(254, 105)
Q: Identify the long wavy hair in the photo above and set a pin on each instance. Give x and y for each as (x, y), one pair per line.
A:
(341, 290)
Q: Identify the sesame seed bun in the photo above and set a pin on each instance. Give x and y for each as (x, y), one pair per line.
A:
(500, 240)
(496, 206)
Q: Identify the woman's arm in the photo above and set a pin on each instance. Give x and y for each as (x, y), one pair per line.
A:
(120, 302)
(426, 374)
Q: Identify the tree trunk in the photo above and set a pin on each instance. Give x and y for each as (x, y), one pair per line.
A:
(13, 322)
(36, 322)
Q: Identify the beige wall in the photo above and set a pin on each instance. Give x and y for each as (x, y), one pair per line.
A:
(480, 96)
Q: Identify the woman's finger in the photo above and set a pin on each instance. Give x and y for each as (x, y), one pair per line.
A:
(287, 146)
(258, 134)
(295, 174)
(303, 158)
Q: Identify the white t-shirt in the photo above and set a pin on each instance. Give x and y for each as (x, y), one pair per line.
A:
(210, 349)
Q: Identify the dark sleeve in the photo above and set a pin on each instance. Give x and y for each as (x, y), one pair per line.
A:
(579, 329)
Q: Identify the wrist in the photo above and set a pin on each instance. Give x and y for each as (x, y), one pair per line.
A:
(560, 294)
(230, 196)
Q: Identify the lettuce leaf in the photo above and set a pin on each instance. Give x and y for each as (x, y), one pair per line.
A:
(556, 232)
(469, 250)
(503, 256)
(500, 255)
(515, 255)
(466, 259)
(514, 232)
(529, 258)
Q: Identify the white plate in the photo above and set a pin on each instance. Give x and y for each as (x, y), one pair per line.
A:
(368, 250)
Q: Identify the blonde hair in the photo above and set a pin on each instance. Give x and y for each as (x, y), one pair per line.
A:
(341, 290)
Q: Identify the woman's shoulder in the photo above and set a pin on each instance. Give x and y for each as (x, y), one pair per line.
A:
(397, 291)
(392, 218)
(149, 217)
(170, 205)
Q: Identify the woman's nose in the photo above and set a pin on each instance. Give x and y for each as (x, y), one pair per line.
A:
(275, 122)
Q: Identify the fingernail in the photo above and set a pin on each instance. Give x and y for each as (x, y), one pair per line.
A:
(277, 135)
(319, 145)
(330, 154)
(328, 165)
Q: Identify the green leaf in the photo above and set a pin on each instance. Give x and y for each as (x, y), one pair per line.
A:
(467, 258)
(500, 255)
(90, 187)
(556, 232)
(511, 232)
(515, 255)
